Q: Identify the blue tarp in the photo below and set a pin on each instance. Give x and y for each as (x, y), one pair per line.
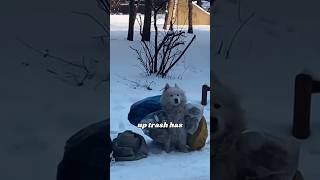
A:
(142, 108)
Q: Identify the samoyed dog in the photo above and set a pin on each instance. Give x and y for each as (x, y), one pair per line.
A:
(173, 102)
(231, 123)
(241, 153)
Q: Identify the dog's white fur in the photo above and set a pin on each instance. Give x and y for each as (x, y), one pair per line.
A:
(173, 102)
(231, 123)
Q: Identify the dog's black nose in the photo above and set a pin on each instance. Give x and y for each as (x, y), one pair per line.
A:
(176, 100)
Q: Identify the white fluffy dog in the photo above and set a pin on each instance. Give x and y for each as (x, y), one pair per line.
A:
(173, 102)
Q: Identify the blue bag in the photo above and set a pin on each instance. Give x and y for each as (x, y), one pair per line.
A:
(142, 108)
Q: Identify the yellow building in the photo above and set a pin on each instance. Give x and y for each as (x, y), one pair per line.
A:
(178, 13)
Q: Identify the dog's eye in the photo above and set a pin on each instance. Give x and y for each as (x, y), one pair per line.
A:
(171, 95)
(177, 94)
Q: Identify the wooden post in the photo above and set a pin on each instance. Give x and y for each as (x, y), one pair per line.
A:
(302, 105)
(315, 86)
(190, 28)
(205, 89)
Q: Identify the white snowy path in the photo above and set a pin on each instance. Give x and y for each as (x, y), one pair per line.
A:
(173, 166)
(127, 87)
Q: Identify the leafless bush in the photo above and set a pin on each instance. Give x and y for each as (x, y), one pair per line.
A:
(159, 57)
(104, 5)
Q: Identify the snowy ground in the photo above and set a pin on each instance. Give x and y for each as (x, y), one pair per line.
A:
(281, 40)
(38, 113)
(127, 87)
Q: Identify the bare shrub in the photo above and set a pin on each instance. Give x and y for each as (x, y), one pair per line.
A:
(159, 56)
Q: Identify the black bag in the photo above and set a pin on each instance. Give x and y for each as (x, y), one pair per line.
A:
(86, 155)
(129, 146)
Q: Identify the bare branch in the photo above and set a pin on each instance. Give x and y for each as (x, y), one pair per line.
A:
(104, 5)
(236, 34)
(105, 29)
(170, 67)
(78, 79)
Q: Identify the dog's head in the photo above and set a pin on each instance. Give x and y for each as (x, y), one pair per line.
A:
(228, 116)
(173, 96)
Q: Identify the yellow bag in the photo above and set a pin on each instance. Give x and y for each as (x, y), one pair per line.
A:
(197, 140)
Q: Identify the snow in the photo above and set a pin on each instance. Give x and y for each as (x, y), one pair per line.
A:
(280, 41)
(202, 9)
(128, 86)
(38, 112)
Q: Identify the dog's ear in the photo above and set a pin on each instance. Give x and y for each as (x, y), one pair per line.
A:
(167, 87)
(176, 86)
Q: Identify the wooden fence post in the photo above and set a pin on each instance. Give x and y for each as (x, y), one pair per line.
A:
(302, 106)
(205, 89)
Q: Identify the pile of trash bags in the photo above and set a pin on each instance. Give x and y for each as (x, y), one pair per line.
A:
(149, 110)
(257, 156)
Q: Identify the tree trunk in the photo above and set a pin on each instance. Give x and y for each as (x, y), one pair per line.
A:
(132, 19)
(147, 21)
(167, 15)
(190, 28)
(156, 51)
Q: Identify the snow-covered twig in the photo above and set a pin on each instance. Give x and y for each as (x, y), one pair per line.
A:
(78, 79)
